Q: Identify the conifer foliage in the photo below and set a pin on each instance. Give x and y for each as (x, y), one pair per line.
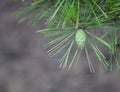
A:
(68, 25)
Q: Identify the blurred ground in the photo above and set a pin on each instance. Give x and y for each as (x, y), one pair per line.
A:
(25, 66)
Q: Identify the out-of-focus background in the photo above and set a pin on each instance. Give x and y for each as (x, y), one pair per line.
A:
(26, 67)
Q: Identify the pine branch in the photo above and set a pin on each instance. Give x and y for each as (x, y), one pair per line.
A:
(68, 23)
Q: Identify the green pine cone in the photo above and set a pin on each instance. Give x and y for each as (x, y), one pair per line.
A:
(80, 38)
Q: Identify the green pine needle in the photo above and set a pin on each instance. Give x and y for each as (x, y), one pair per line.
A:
(63, 19)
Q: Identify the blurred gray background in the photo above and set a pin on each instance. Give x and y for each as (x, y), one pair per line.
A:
(26, 67)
